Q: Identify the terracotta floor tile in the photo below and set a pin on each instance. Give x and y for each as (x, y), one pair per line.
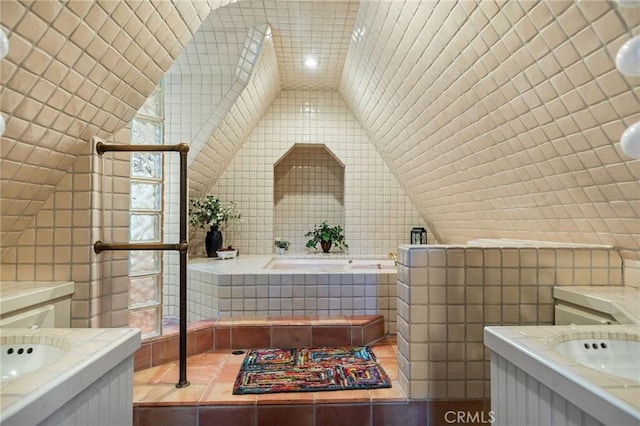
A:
(235, 360)
(394, 393)
(227, 377)
(253, 320)
(345, 414)
(285, 416)
(212, 375)
(153, 374)
(141, 392)
(168, 394)
(286, 398)
(196, 373)
(345, 396)
(330, 336)
(412, 413)
(250, 337)
(228, 415)
(222, 394)
(291, 320)
(339, 321)
(142, 357)
(290, 337)
(197, 325)
(207, 358)
(167, 416)
(225, 322)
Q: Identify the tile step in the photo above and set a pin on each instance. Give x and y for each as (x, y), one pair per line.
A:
(260, 332)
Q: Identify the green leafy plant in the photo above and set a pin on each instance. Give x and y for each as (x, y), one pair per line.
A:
(284, 244)
(326, 234)
(211, 211)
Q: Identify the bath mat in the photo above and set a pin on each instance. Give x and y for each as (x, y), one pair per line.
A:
(310, 370)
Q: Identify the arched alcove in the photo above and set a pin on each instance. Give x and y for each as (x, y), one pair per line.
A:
(308, 189)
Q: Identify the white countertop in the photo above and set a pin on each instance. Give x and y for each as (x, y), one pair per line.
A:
(91, 353)
(622, 303)
(610, 399)
(17, 295)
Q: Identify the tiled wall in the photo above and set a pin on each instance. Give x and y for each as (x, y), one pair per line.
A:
(447, 294)
(250, 103)
(502, 119)
(252, 91)
(91, 203)
(308, 189)
(632, 273)
(213, 295)
(378, 214)
(76, 70)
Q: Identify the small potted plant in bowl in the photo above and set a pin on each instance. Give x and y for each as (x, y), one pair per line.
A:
(282, 245)
(326, 235)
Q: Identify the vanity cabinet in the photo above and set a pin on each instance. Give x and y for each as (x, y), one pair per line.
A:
(39, 304)
(567, 313)
(595, 305)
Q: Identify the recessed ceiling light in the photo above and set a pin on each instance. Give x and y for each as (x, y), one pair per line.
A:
(310, 63)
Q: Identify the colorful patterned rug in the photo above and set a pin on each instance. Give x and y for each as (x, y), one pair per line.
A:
(310, 370)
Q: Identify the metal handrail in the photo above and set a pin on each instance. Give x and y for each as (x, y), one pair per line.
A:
(182, 246)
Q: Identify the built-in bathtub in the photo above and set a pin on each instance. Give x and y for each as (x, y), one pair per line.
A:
(330, 265)
(268, 285)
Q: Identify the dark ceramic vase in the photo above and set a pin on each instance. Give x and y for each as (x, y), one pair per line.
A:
(326, 246)
(213, 241)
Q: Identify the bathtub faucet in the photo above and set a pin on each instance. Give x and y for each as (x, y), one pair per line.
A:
(393, 256)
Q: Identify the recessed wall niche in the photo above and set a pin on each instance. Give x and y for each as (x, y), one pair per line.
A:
(308, 189)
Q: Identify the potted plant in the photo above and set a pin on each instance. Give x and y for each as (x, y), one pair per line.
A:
(282, 245)
(211, 211)
(326, 235)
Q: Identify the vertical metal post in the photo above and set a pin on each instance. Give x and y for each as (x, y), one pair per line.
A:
(182, 382)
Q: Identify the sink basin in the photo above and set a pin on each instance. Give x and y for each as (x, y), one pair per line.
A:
(612, 356)
(17, 360)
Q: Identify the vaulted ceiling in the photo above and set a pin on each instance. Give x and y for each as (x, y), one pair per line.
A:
(500, 119)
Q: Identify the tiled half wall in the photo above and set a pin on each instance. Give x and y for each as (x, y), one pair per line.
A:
(447, 294)
(214, 295)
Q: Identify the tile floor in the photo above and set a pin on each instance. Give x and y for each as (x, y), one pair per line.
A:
(209, 398)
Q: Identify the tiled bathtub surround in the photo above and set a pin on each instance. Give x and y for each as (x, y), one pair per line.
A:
(447, 294)
(243, 287)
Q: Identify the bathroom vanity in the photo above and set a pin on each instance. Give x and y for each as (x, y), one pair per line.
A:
(44, 304)
(533, 383)
(80, 376)
(596, 382)
(593, 305)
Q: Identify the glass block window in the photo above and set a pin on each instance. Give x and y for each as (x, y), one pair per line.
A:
(145, 218)
(143, 291)
(146, 165)
(144, 262)
(146, 195)
(144, 227)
